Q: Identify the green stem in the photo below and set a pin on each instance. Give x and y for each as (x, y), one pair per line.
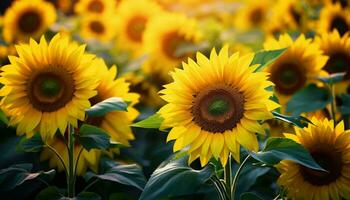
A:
(70, 178)
(58, 156)
(235, 179)
(228, 177)
(76, 164)
(219, 188)
(333, 103)
(91, 184)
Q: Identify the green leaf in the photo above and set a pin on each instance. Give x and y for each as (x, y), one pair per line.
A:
(344, 107)
(249, 196)
(92, 137)
(50, 193)
(333, 78)
(33, 144)
(106, 106)
(174, 179)
(154, 121)
(17, 174)
(264, 58)
(278, 149)
(309, 99)
(3, 117)
(87, 196)
(124, 174)
(298, 121)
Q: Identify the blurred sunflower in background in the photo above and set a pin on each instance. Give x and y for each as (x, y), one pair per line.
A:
(25, 19)
(330, 147)
(332, 17)
(169, 39)
(97, 27)
(49, 82)
(83, 7)
(213, 106)
(132, 19)
(298, 66)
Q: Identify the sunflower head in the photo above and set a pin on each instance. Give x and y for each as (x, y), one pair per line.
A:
(132, 19)
(95, 6)
(213, 105)
(337, 48)
(96, 26)
(25, 19)
(299, 64)
(332, 17)
(49, 82)
(330, 148)
(166, 38)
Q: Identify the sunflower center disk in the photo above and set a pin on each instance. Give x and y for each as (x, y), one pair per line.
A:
(50, 89)
(329, 160)
(219, 108)
(340, 24)
(338, 62)
(171, 44)
(97, 27)
(288, 78)
(257, 16)
(135, 28)
(96, 6)
(29, 22)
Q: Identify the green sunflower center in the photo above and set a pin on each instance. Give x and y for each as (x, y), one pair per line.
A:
(135, 28)
(29, 22)
(96, 6)
(328, 159)
(171, 44)
(50, 89)
(340, 24)
(218, 108)
(288, 78)
(338, 62)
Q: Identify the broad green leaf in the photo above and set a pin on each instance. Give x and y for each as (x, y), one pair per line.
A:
(124, 174)
(309, 99)
(106, 106)
(17, 174)
(121, 196)
(154, 121)
(278, 149)
(264, 58)
(87, 196)
(174, 179)
(249, 196)
(92, 137)
(50, 193)
(298, 121)
(333, 78)
(344, 106)
(33, 144)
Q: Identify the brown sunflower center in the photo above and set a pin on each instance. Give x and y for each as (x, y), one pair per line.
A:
(256, 16)
(296, 15)
(29, 22)
(338, 62)
(218, 108)
(171, 43)
(50, 89)
(135, 28)
(339, 23)
(96, 6)
(288, 78)
(343, 3)
(97, 27)
(328, 159)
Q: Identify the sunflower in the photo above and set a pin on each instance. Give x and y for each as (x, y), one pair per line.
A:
(338, 49)
(254, 14)
(132, 19)
(213, 106)
(342, 3)
(51, 83)
(66, 6)
(25, 19)
(296, 67)
(330, 147)
(95, 6)
(332, 17)
(116, 123)
(88, 159)
(165, 37)
(96, 26)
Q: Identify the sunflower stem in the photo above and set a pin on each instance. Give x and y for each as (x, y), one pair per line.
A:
(71, 175)
(228, 177)
(235, 179)
(333, 103)
(219, 188)
(76, 165)
(59, 157)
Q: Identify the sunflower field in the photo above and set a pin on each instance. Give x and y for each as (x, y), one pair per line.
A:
(175, 99)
